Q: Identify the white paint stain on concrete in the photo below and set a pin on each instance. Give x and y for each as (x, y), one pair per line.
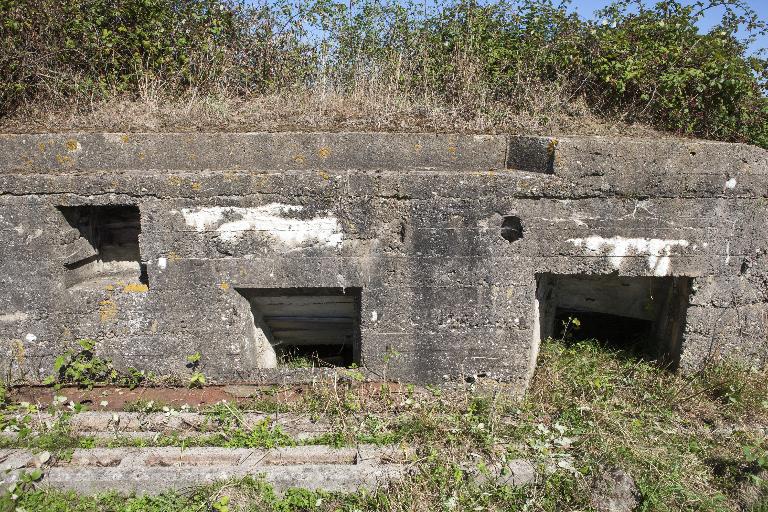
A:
(731, 183)
(30, 337)
(232, 222)
(162, 263)
(658, 251)
(16, 316)
(374, 316)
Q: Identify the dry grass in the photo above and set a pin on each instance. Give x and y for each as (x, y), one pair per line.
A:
(368, 107)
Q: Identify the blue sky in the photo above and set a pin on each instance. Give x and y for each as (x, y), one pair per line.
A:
(587, 7)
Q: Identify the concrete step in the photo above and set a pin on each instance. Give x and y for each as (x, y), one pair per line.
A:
(146, 425)
(154, 470)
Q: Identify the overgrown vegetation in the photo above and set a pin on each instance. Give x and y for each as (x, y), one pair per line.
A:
(456, 64)
(691, 443)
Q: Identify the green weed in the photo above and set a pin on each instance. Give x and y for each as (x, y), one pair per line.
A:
(84, 368)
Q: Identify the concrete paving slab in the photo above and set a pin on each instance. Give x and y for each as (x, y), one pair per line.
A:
(154, 470)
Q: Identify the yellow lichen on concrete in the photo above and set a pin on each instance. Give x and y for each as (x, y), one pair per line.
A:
(63, 159)
(107, 310)
(224, 286)
(19, 351)
(259, 179)
(125, 138)
(299, 159)
(324, 175)
(73, 145)
(324, 152)
(551, 146)
(176, 181)
(418, 147)
(136, 288)
(196, 185)
(453, 150)
(172, 256)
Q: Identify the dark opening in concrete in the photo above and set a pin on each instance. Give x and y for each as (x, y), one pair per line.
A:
(108, 246)
(512, 228)
(308, 326)
(644, 315)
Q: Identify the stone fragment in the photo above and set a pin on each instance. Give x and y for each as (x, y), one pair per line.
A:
(614, 490)
(517, 472)
(241, 391)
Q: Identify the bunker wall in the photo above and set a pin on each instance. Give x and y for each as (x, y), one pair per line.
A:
(415, 222)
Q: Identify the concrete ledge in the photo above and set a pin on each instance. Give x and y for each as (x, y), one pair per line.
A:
(252, 151)
(568, 156)
(154, 470)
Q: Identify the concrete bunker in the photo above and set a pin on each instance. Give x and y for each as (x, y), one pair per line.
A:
(305, 327)
(415, 219)
(107, 246)
(643, 315)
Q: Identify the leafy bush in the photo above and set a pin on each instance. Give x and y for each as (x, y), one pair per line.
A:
(636, 62)
(655, 66)
(85, 369)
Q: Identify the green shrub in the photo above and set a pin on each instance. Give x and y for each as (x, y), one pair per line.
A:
(632, 61)
(656, 67)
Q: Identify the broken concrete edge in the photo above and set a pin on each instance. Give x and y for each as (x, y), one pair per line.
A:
(321, 151)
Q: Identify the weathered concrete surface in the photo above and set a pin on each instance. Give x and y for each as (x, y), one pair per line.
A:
(411, 221)
(154, 470)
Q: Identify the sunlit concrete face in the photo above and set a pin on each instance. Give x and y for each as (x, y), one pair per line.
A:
(417, 257)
